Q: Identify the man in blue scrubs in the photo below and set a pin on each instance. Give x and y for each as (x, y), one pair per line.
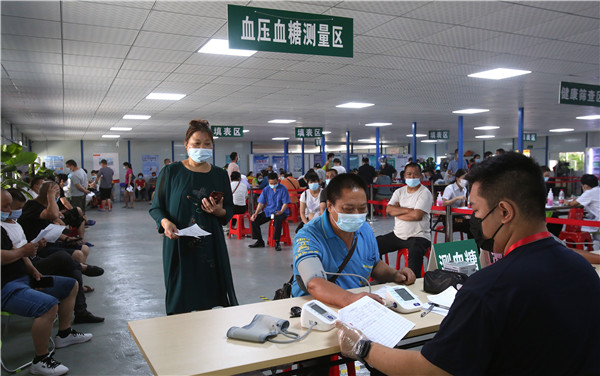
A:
(533, 312)
(323, 244)
(274, 199)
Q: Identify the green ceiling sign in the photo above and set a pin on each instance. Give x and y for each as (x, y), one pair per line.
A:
(308, 132)
(439, 135)
(580, 94)
(276, 30)
(530, 137)
(227, 131)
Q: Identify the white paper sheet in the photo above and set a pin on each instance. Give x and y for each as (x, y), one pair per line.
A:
(50, 233)
(444, 298)
(194, 231)
(377, 322)
(439, 310)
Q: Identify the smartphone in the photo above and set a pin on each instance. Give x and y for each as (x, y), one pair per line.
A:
(217, 196)
(43, 283)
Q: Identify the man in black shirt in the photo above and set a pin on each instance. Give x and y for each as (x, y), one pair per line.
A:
(366, 171)
(387, 169)
(515, 317)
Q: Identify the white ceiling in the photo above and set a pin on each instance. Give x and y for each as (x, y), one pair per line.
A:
(71, 70)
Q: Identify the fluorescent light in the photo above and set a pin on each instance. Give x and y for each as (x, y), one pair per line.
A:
(429, 141)
(281, 121)
(470, 111)
(111, 136)
(221, 47)
(246, 130)
(499, 73)
(137, 117)
(417, 135)
(377, 124)
(215, 137)
(485, 136)
(326, 132)
(559, 130)
(280, 138)
(355, 105)
(589, 117)
(120, 129)
(165, 96)
(486, 127)
(365, 140)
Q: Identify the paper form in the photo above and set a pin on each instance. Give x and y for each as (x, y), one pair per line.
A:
(439, 310)
(378, 323)
(50, 233)
(194, 231)
(444, 298)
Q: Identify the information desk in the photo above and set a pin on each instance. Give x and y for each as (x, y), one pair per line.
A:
(196, 343)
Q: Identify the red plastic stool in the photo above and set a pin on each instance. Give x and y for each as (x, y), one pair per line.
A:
(427, 255)
(285, 234)
(335, 370)
(440, 228)
(380, 208)
(240, 229)
(294, 213)
(573, 234)
(401, 252)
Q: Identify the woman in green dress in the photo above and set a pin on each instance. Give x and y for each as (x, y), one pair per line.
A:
(197, 271)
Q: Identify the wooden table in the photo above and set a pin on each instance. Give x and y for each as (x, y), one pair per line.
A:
(196, 343)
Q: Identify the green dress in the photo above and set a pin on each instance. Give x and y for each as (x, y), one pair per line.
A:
(197, 271)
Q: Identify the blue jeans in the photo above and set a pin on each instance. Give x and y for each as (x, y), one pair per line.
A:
(19, 298)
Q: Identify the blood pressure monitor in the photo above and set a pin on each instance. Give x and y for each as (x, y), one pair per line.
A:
(405, 301)
(318, 315)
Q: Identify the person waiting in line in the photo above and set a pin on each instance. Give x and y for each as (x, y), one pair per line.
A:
(547, 175)
(78, 185)
(251, 178)
(337, 165)
(367, 172)
(500, 152)
(166, 162)
(140, 188)
(272, 204)
(487, 155)
(323, 244)
(310, 199)
(71, 216)
(197, 272)
(34, 186)
(383, 193)
(129, 185)
(329, 175)
(263, 180)
(292, 185)
(233, 165)
(322, 173)
(20, 297)
(152, 185)
(453, 166)
(590, 200)
(239, 191)
(410, 205)
(499, 306)
(329, 163)
(57, 263)
(105, 177)
(455, 195)
(387, 168)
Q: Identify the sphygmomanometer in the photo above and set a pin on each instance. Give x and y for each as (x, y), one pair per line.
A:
(265, 328)
(311, 267)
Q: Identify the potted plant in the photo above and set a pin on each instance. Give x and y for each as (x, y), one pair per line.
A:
(13, 156)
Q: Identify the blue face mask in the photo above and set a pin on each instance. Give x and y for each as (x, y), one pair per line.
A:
(327, 182)
(350, 222)
(4, 216)
(313, 186)
(14, 214)
(273, 186)
(413, 182)
(200, 155)
(259, 180)
(477, 160)
(546, 178)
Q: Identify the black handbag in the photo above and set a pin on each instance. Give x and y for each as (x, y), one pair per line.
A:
(436, 281)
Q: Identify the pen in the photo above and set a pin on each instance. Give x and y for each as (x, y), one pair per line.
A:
(431, 306)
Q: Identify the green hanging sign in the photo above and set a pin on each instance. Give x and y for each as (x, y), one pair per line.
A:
(308, 132)
(530, 137)
(464, 250)
(277, 30)
(227, 131)
(439, 135)
(580, 94)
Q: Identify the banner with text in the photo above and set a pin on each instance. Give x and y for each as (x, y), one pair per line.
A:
(580, 94)
(308, 132)
(227, 131)
(277, 30)
(439, 135)
(149, 164)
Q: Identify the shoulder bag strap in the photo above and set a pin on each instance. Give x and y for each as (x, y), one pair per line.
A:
(236, 187)
(332, 279)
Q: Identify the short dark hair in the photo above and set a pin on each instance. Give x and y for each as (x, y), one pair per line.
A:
(62, 177)
(272, 176)
(500, 151)
(514, 177)
(233, 155)
(311, 176)
(166, 159)
(235, 175)
(317, 165)
(103, 161)
(332, 170)
(127, 164)
(71, 162)
(487, 154)
(365, 160)
(35, 180)
(17, 194)
(413, 165)
(344, 181)
(460, 172)
(589, 180)
(545, 169)
(330, 155)
(337, 160)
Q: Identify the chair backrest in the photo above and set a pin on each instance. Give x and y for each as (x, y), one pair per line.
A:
(577, 214)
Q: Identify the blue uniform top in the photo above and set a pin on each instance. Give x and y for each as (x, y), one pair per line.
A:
(273, 201)
(317, 239)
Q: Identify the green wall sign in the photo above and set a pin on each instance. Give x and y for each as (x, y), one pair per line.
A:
(464, 250)
(439, 135)
(530, 137)
(276, 30)
(580, 94)
(308, 132)
(227, 131)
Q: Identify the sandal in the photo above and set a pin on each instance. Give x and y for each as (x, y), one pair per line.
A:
(91, 222)
(87, 289)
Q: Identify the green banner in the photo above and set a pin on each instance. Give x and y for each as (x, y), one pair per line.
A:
(227, 131)
(439, 135)
(276, 30)
(308, 132)
(530, 137)
(580, 94)
(464, 250)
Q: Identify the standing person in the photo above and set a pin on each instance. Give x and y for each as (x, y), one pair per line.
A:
(129, 185)
(500, 152)
(387, 168)
(329, 164)
(366, 171)
(166, 162)
(337, 165)
(274, 200)
(292, 185)
(78, 185)
(317, 168)
(152, 185)
(329, 175)
(105, 176)
(233, 165)
(410, 205)
(239, 190)
(453, 166)
(197, 271)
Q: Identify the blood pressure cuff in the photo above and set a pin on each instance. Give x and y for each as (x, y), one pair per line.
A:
(261, 329)
(309, 268)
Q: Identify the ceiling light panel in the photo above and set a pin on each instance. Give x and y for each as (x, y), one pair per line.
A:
(377, 124)
(354, 105)
(470, 111)
(588, 117)
(561, 130)
(136, 117)
(499, 73)
(221, 47)
(166, 96)
(486, 128)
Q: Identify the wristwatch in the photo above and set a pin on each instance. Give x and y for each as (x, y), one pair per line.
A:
(362, 348)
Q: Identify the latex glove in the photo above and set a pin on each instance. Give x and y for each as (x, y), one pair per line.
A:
(348, 337)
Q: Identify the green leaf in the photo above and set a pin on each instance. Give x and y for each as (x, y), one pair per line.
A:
(7, 169)
(5, 155)
(10, 182)
(14, 148)
(23, 158)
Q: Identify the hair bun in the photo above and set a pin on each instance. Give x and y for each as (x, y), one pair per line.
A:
(198, 122)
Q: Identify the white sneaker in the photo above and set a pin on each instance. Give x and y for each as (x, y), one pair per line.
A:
(74, 338)
(48, 366)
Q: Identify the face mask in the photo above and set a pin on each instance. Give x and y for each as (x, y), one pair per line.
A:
(350, 222)
(200, 155)
(477, 160)
(273, 186)
(14, 214)
(327, 182)
(58, 198)
(546, 178)
(4, 216)
(413, 182)
(259, 180)
(476, 230)
(313, 186)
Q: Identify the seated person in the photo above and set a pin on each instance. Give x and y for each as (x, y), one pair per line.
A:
(20, 298)
(291, 184)
(140, 188)
(239, 191)
(455, 195)
(39, 213)
(382, 193)
(263, 180)
(71, 216)
(34, 186)
(310, 199)
(590, 200)
(520, 296)
(329, 175)
(56, 263)
(152, 185)
(410, 205)
(323, 244)
(274, 200)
